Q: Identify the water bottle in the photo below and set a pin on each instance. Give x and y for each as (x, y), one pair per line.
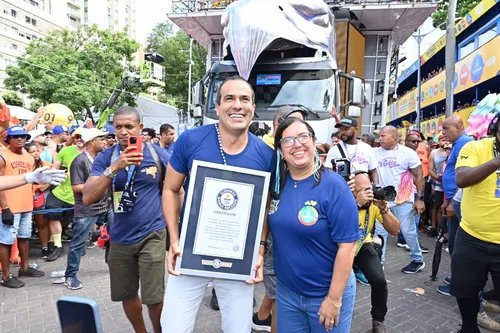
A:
(57, 274)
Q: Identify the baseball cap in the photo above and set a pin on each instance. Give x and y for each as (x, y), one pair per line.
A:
(109, 129)
(73, 128)
(35, 133)
(91, 133)
(347, 122)
(16, 130)
(59, 129)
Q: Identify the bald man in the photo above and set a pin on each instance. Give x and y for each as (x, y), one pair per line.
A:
(367, 259)
(454, 132)
(400, 167)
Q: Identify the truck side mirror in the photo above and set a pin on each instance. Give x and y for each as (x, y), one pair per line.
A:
(354, 111)
(197, 112)
(356, 91)
(198, 94)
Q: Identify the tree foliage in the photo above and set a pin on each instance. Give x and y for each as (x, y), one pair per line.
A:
(440, 16)
(79, 69)
(171, 46)
(13, 98)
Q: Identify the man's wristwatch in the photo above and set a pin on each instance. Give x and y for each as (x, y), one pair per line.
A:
(108, 173)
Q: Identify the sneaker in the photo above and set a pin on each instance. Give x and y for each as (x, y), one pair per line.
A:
(73, 283)
(361, 278)
(413, 267)
(378, 327)
(447, 250)
(261, 325)
(55, 254)
(67, 236)
(91, 245)
(214, 303)
(444, 290)
(432, 232)
(424, 249)
(485, 321)
(403, 245)
(12, 282)
(490, 307)
(45, 252)
(30, 272)
(447, 280)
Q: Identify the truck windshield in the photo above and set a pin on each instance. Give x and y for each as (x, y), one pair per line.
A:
(314, 89)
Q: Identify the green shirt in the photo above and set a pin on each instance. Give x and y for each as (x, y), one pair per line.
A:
(64, 192)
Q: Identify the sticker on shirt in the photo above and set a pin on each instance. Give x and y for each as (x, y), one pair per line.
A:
(150, 171)
(308, 215)
(273, 206)
(227, 199)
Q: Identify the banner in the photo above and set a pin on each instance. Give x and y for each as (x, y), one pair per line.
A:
(479, 66)
(465, 22)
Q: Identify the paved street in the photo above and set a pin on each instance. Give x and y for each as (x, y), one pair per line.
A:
(32, 308)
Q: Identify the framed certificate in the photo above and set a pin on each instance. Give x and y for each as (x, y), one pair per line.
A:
(222, 221)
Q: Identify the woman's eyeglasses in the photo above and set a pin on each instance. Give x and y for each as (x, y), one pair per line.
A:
(302, 138)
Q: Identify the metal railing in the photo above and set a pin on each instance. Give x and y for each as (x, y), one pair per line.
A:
(193, 6)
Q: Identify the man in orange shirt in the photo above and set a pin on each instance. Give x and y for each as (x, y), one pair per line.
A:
(16, 209)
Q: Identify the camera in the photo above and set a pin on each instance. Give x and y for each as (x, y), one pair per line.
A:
(342, 166)
(387, 193)
(133, 140)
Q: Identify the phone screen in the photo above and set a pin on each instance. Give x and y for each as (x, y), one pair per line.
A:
(77, 317)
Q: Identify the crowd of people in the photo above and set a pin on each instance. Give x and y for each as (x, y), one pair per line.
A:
(330, 210)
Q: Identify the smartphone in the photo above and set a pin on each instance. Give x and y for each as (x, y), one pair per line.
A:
(78, 315)
(135, 141)
(342, 166)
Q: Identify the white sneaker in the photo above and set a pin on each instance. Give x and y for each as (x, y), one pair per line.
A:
(485, 321)
(490, 307)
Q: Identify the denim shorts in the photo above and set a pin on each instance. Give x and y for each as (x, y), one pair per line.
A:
(21, 228)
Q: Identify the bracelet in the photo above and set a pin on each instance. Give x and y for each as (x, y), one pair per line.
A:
(331, 301)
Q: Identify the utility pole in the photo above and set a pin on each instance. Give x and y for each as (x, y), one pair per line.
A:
(450, 56)
(419, 78)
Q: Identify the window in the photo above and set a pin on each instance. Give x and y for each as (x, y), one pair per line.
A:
(13, 13)
(466, 49)
(21, 35)
(28, 19)
(34, 37)
(34, 22)
(486, 36)
(13, 46)
(28, 37)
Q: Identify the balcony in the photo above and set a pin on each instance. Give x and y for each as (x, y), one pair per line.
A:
(74, 15)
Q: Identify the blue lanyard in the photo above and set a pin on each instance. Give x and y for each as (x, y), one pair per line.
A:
(131, 169)
(495, 154)
(363, 231)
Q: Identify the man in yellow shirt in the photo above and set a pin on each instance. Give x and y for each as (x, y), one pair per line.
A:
(477, 243)
(367, 259)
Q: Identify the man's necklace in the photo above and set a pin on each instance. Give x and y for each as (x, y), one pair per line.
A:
(220, 144)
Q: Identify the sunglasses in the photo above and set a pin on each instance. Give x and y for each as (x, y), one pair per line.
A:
(77, 136)
(18, 136)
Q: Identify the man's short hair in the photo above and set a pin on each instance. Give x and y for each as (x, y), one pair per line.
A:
(165, 128)
(128, 110)
(336, 135)
(370, 137)
(218, 96)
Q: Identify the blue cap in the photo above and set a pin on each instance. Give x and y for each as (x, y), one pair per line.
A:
(73, 128)
(16, 130)
(109, 129)
(59, 130)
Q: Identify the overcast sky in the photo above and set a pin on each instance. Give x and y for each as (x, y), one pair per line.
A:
(148, 14)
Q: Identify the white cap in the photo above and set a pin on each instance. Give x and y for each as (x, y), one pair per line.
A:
(90, 133)
(36, 133)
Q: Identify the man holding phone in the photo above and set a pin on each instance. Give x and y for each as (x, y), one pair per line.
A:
(137, 233)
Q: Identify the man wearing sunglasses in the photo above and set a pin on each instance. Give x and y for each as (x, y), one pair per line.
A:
(16, 208)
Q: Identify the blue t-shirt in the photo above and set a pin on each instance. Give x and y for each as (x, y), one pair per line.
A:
(202, 144)
(449, 184)
(169, 150)
(147, 215)
(306, 224)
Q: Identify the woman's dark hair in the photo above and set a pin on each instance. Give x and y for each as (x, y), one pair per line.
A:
(281, 170)
(39, 163)
(150, 131)
(259, 128)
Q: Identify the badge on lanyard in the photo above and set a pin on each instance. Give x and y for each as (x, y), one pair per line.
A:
(362, 232)
(124, 201)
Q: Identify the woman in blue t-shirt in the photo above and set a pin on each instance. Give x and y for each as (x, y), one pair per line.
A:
(313, 219)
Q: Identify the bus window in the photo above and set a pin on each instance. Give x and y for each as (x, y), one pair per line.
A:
(487, 35)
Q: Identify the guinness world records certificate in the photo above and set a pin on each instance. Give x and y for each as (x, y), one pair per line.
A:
(222, 221)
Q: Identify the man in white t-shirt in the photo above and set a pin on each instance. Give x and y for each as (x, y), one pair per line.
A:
(360, 154)
(400, 167)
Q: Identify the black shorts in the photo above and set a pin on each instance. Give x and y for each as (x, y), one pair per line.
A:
(471, 261)
(53, 202)
(438, 198)
(428, 193)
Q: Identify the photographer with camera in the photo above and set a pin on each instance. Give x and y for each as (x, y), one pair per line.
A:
(85, 217)
(373, 206)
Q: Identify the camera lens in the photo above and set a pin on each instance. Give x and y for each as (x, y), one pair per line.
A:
(133, 140)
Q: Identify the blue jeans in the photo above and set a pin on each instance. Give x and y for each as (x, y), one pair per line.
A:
(82, 226)
(401, 239)
(299, 314)
(405, 213)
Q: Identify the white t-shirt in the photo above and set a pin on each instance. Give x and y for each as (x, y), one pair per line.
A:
(360, 155)
(458, 195)
(394, 169)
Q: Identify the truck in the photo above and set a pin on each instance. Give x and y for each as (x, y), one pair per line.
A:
(295, 68)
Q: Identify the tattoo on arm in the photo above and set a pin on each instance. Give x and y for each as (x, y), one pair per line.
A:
(418, 179)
